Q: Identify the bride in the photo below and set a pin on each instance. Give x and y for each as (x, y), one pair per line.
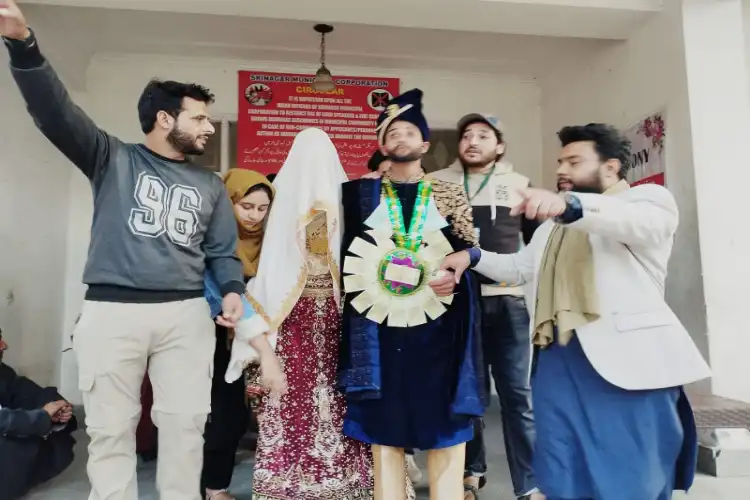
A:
(302, 453)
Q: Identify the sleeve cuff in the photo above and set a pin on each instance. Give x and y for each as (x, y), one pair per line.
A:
(42, 422)
(475, 255)
(24, 54)
(237, 287)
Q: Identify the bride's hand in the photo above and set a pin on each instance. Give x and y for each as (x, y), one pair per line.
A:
(272, 375)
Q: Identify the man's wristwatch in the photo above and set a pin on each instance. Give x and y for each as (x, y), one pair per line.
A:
(573, 210)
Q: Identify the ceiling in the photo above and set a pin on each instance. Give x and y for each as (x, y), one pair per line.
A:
(607, 19)
(71, 35)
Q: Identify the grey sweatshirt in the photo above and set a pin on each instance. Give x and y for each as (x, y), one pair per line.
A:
(157, 222)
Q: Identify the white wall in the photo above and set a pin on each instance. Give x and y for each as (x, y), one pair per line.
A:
(34, 195)
(623, 83)
(115, 81)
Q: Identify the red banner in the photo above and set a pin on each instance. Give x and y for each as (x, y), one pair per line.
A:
(654, 179)
(274, 107)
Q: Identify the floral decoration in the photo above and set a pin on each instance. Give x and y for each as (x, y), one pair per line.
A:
(653, 128)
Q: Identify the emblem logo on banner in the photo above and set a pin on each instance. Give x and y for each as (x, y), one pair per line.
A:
(379, 99)
(258, 94)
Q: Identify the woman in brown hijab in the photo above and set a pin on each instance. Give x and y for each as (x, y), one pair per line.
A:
(251, 194)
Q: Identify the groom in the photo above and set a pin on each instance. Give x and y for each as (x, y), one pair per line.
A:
(409, 384)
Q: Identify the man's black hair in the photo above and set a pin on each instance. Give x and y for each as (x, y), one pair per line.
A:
(609, 143)
(375, 160)
(167, 96)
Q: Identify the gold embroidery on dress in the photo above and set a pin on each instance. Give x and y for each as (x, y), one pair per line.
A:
(274, 431)
(318, 286)
(318, 211)
(355, 495)
(318, 280)
(327, 440)
(452, 203)
(317, 235)
(319, 273)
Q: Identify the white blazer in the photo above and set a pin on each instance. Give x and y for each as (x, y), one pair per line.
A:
(638, 342)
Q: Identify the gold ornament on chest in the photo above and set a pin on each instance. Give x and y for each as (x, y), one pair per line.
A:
(391, 274)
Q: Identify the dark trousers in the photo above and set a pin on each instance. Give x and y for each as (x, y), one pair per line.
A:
(29, 462)
(507, 355)
(227, 422)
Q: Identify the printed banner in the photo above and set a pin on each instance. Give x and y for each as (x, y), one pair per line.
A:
(274, 107)
(647, 149)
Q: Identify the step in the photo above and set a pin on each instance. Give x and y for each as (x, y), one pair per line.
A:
(723, 435)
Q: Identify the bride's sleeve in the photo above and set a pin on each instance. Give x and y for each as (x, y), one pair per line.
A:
(250, 326)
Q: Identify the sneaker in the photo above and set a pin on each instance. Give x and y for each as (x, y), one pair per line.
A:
(412, 469)
(533, 496)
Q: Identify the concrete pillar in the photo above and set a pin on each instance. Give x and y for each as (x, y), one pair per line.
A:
(717, 81)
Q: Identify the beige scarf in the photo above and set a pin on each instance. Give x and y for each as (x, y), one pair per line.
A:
(566, 295)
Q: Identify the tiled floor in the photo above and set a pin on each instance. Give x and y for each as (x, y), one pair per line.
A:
(73, 485)
(714, 411)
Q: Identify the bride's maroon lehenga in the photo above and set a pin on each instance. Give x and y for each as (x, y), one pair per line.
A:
(302, 453)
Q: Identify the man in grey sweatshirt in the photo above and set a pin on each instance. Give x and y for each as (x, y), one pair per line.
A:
(158, 222)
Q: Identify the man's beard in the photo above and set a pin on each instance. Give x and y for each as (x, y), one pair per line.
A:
(592, 186)
(413, 155)
(183, 142)
(481, 162)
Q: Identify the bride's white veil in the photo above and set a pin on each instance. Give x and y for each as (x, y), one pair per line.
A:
(308, 182)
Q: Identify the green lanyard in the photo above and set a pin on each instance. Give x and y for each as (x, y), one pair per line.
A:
(481, 186)
(411, 239)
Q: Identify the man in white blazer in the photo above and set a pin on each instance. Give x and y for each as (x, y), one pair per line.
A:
(611, 357)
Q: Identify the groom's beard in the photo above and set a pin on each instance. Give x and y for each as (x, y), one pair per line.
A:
(405, 157)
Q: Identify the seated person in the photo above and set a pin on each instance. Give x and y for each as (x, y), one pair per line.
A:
(35, 432)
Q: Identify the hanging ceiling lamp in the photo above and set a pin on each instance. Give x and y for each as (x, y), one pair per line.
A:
(323, 80)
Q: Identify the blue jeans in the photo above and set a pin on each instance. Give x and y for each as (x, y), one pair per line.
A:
(507, 356)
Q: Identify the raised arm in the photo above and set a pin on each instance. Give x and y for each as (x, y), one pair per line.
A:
(47, 100)
(647, 216)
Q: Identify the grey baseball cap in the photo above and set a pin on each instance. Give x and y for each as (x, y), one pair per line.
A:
(490, 120)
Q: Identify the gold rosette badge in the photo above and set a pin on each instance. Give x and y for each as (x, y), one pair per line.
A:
(393, 281)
